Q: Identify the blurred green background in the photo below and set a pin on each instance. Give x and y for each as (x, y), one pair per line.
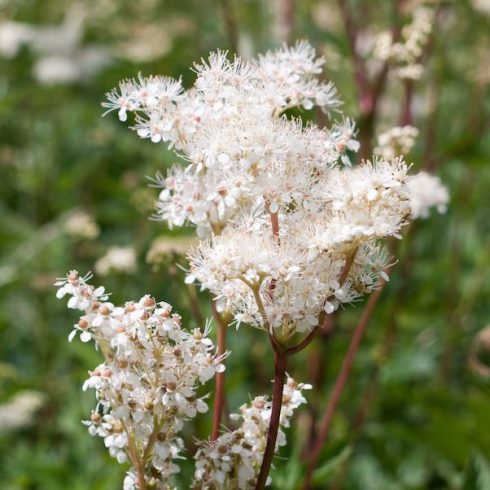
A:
(416, 412)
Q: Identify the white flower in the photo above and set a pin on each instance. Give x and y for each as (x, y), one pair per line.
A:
(396, 141)
(20, 410)
(118, 259)
(233, 460)
(81, 225)
(406, 53)
(147, 386)
(427, 191)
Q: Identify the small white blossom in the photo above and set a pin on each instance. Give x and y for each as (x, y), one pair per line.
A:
(396, 141)
(427, 191)
(81, 225)
(20, 410)
(233, 460)
(406, 53)
(117, 259)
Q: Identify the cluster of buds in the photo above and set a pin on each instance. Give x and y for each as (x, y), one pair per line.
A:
(405, 54)
(146, 387)
(233, 460)
(398, 140)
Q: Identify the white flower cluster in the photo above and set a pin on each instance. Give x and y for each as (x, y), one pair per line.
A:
(227, 127)
(289, 280)
(233, 460)
(406, 53)
(146, 387)
(426, 192)
(118, 259)
(396, 141)
(293, 230)
(20, 410)
(81, 225)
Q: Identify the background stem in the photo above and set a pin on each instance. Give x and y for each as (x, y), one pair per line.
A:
(340, 384)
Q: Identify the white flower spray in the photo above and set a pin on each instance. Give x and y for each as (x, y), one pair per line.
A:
(406, 53)
(146, 386)
(290, 230)
(233, 460)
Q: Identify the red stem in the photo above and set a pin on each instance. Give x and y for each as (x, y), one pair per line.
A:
(280, 361)
(219, 393)
(406, 117)
(340, 385)
(230, 24)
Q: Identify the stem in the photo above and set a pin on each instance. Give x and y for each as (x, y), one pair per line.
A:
(305, 342)
(406, 117)
(340, 384)
(194, 304)
(347, 266)
(141, 478)
(280, 361)
(275, 235)
(135, 461)
(219, 394)
(230, 24)
(285, 14)
(360, 70)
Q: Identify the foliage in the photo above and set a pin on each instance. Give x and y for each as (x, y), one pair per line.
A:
(413, 416)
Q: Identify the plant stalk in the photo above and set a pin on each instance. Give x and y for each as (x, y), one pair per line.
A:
(219, 392)
(280, 361)
(340, 385)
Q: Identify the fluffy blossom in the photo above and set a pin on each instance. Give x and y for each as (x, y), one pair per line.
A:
(291, 230)
(398, 140)
(227, 126)
(82, 225)
(20, 410)
(146, 386)
(288, 281)
(119, 259)
(426, 192)
(405, 54)
(233, 460)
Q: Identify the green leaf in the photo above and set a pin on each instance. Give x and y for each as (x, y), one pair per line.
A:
(332, 466)
(478, 473)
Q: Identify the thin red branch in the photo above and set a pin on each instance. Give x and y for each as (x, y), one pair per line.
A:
(340, 384)
(230, 22)
(406, 117)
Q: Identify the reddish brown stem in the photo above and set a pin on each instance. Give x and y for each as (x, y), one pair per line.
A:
(219, 392)
(286, 11)
(304, 343)
(275, 235)
(280, 361)
(230, 24)
(406, 117)
(340, 385)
